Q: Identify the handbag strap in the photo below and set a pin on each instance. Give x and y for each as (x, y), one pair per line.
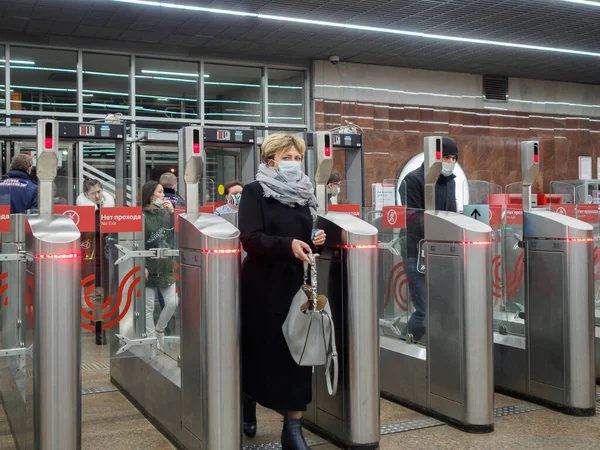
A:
(332, 363)
(313, 277)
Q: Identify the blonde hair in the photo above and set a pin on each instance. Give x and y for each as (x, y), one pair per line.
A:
(278, 143)
(168, 180)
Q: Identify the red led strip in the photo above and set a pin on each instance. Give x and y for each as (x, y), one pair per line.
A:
(561, 239)
(57, 256)
(580, 239)
(222, 251)
(356, 247)
(476, 243)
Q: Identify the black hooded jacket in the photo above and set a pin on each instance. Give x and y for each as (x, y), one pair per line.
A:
(412, 194)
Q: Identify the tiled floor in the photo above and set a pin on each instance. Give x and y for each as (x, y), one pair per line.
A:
(110, 422)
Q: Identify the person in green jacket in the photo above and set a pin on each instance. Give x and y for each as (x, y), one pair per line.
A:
(159, 232)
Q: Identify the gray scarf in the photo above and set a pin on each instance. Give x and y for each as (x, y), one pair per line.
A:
(290, 193)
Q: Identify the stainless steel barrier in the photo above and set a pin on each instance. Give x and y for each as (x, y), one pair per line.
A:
(553, 362)
(195, 400)
(450, 375)
(54, 266)
(347, 275)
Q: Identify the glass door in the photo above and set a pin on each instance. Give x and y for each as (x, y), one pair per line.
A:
(222, 166)
(155, 160)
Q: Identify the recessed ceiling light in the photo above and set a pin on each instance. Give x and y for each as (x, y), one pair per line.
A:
(366, 28)
(583, 2)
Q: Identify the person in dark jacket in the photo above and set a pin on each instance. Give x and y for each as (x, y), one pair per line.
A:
(159, 232)
(412, 193)
(22, 189)
(169, 183)
(276, 217)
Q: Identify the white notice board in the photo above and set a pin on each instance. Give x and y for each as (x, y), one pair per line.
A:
(585, 167)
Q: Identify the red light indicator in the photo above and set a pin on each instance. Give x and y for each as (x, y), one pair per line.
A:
(438, 149)
(57, 256)
(327, 152)
(222, 251)
(358, 247)
(48, 143)
(580, 239)
(536, 158)
(196, 148)
(196, 141)
(476, 242)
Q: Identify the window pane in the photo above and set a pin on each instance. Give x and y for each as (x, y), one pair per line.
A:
(166, 89)
(232, 93)
(286, 96)
(2, 80)
(43, 80)
(105, 84)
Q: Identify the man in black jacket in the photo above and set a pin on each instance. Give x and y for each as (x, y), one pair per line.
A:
(412, 192)
(23, 191)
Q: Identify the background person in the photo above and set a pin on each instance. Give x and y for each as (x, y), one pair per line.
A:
(22, 190)
(169, 183)
(92, 245)
(276, 221)
(159, 232)
(412, 192)
(333, 187)
(233, 196)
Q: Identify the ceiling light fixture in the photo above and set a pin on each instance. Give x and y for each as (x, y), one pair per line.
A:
(361, 27)
(18, 61)
(583, 2)
(181, 74)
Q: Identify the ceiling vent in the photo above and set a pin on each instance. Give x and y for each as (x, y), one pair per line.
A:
(495, 88)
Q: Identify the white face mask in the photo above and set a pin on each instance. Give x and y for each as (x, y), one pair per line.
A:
(158, 202)
(447, 168)
(290, 170)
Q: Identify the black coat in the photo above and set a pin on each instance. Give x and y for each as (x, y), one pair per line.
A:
(412, 194)
(270, 278)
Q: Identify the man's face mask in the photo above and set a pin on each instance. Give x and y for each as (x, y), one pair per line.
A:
(448, 168)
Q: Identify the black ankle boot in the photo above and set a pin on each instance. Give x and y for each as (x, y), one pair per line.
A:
(249, 417)
(291, 435)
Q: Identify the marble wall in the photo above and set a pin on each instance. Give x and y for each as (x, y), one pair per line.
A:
(488, 141)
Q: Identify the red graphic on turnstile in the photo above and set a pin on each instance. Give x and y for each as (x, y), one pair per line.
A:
(397, 287)
(514, 278)
(4, 219)
(4, 287)
(89, 285)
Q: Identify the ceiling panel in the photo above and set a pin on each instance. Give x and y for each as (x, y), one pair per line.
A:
(535, 22)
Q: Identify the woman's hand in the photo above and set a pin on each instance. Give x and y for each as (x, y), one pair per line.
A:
(319, 239)
(167, 205)
(300, 249)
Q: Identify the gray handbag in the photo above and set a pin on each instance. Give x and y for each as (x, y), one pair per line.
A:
(309, 332)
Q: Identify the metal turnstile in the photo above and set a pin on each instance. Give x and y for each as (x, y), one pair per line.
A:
(350, 144)
(347, 275)
(195, 400)
(232, 155)
(553, 363)
(451, 375)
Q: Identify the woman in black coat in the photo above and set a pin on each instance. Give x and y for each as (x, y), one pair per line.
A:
(276, 216)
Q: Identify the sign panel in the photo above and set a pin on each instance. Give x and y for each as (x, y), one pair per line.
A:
(223, 135)
(587, 213)
(478, 212)
(4, 219)
(514, 215)
(394, 217)
(84, 217)
(585, 167)
(121, 220)
(496, 215)
(352, 209)
(564, 209)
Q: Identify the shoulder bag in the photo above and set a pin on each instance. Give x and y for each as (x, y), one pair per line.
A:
(309, 331)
